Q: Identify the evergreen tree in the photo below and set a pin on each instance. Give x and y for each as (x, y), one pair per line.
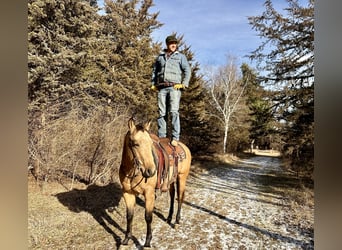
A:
(198, 130)
(130, 52)
(262, 118)
(290, 72)
(59, 35)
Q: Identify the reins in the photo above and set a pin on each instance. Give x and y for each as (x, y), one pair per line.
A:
(136, 166)
(136, 163)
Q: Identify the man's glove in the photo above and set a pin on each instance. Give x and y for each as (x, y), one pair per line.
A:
(178, 86)
(153, 87)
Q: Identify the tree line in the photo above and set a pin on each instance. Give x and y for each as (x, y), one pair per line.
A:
(88, 72)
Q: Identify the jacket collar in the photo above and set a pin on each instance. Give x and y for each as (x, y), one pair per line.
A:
(165, 50)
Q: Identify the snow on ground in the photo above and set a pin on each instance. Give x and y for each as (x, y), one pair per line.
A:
(233, 208)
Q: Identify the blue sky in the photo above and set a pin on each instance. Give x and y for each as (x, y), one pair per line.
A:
(214, 29)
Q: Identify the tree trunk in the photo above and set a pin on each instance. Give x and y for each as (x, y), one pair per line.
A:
(225, 138)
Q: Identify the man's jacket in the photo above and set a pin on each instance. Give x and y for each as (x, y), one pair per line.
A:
(174, 69)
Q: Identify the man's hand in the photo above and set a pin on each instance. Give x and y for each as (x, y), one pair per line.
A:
(153, 87)
(178, 86)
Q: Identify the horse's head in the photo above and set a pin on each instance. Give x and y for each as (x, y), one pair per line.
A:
(141, 146)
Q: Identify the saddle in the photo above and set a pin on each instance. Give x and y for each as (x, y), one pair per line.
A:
(168, 157)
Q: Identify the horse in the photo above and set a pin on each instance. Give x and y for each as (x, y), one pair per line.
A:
(138, 175)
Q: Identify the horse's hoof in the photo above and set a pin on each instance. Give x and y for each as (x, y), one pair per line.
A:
(176, 226)
(168, 220)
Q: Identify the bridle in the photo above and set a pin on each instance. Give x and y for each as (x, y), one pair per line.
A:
(137, 163)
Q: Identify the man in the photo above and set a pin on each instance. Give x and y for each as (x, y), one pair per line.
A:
(171, 73)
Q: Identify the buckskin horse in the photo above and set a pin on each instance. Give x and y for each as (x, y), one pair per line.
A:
(140, 174)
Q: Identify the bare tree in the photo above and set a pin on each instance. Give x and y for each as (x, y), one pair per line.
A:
(226, 88)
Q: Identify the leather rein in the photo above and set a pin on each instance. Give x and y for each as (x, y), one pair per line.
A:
(137, 163)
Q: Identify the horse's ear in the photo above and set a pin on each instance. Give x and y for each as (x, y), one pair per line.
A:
(147, 125)
(131, 125)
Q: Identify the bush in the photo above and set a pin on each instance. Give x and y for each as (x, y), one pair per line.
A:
(81, 139)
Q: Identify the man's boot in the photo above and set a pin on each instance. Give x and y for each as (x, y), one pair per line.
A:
(174, 143)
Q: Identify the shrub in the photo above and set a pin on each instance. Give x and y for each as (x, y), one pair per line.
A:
(78, 139)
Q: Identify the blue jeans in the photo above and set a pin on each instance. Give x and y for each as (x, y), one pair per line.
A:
(168, 101)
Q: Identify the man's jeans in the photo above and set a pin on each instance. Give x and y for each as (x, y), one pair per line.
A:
(168, 101)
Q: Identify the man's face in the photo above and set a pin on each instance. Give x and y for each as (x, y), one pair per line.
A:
(172, 46)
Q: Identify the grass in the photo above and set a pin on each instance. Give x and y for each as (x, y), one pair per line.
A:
(62, 219)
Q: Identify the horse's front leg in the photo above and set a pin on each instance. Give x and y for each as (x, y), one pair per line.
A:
(130, 204)
(172, 200)
(149, 206)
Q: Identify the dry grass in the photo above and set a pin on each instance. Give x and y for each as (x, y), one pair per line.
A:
(84, 143)
(76, 219)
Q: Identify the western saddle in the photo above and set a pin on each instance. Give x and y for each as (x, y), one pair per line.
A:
(167, 160)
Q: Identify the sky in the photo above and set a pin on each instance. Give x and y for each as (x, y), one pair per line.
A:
(214, 29)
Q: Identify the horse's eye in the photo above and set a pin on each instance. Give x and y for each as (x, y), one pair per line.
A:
(135, 145)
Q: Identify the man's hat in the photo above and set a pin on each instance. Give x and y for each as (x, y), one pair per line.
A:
(171, 39)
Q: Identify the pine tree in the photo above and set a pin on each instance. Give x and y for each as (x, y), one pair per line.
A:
(130, 52)
(263, 129)
(59, 35)
(197, 127)
(290, 72)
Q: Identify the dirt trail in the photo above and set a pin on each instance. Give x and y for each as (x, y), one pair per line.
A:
(244, 205)
(239, 207)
